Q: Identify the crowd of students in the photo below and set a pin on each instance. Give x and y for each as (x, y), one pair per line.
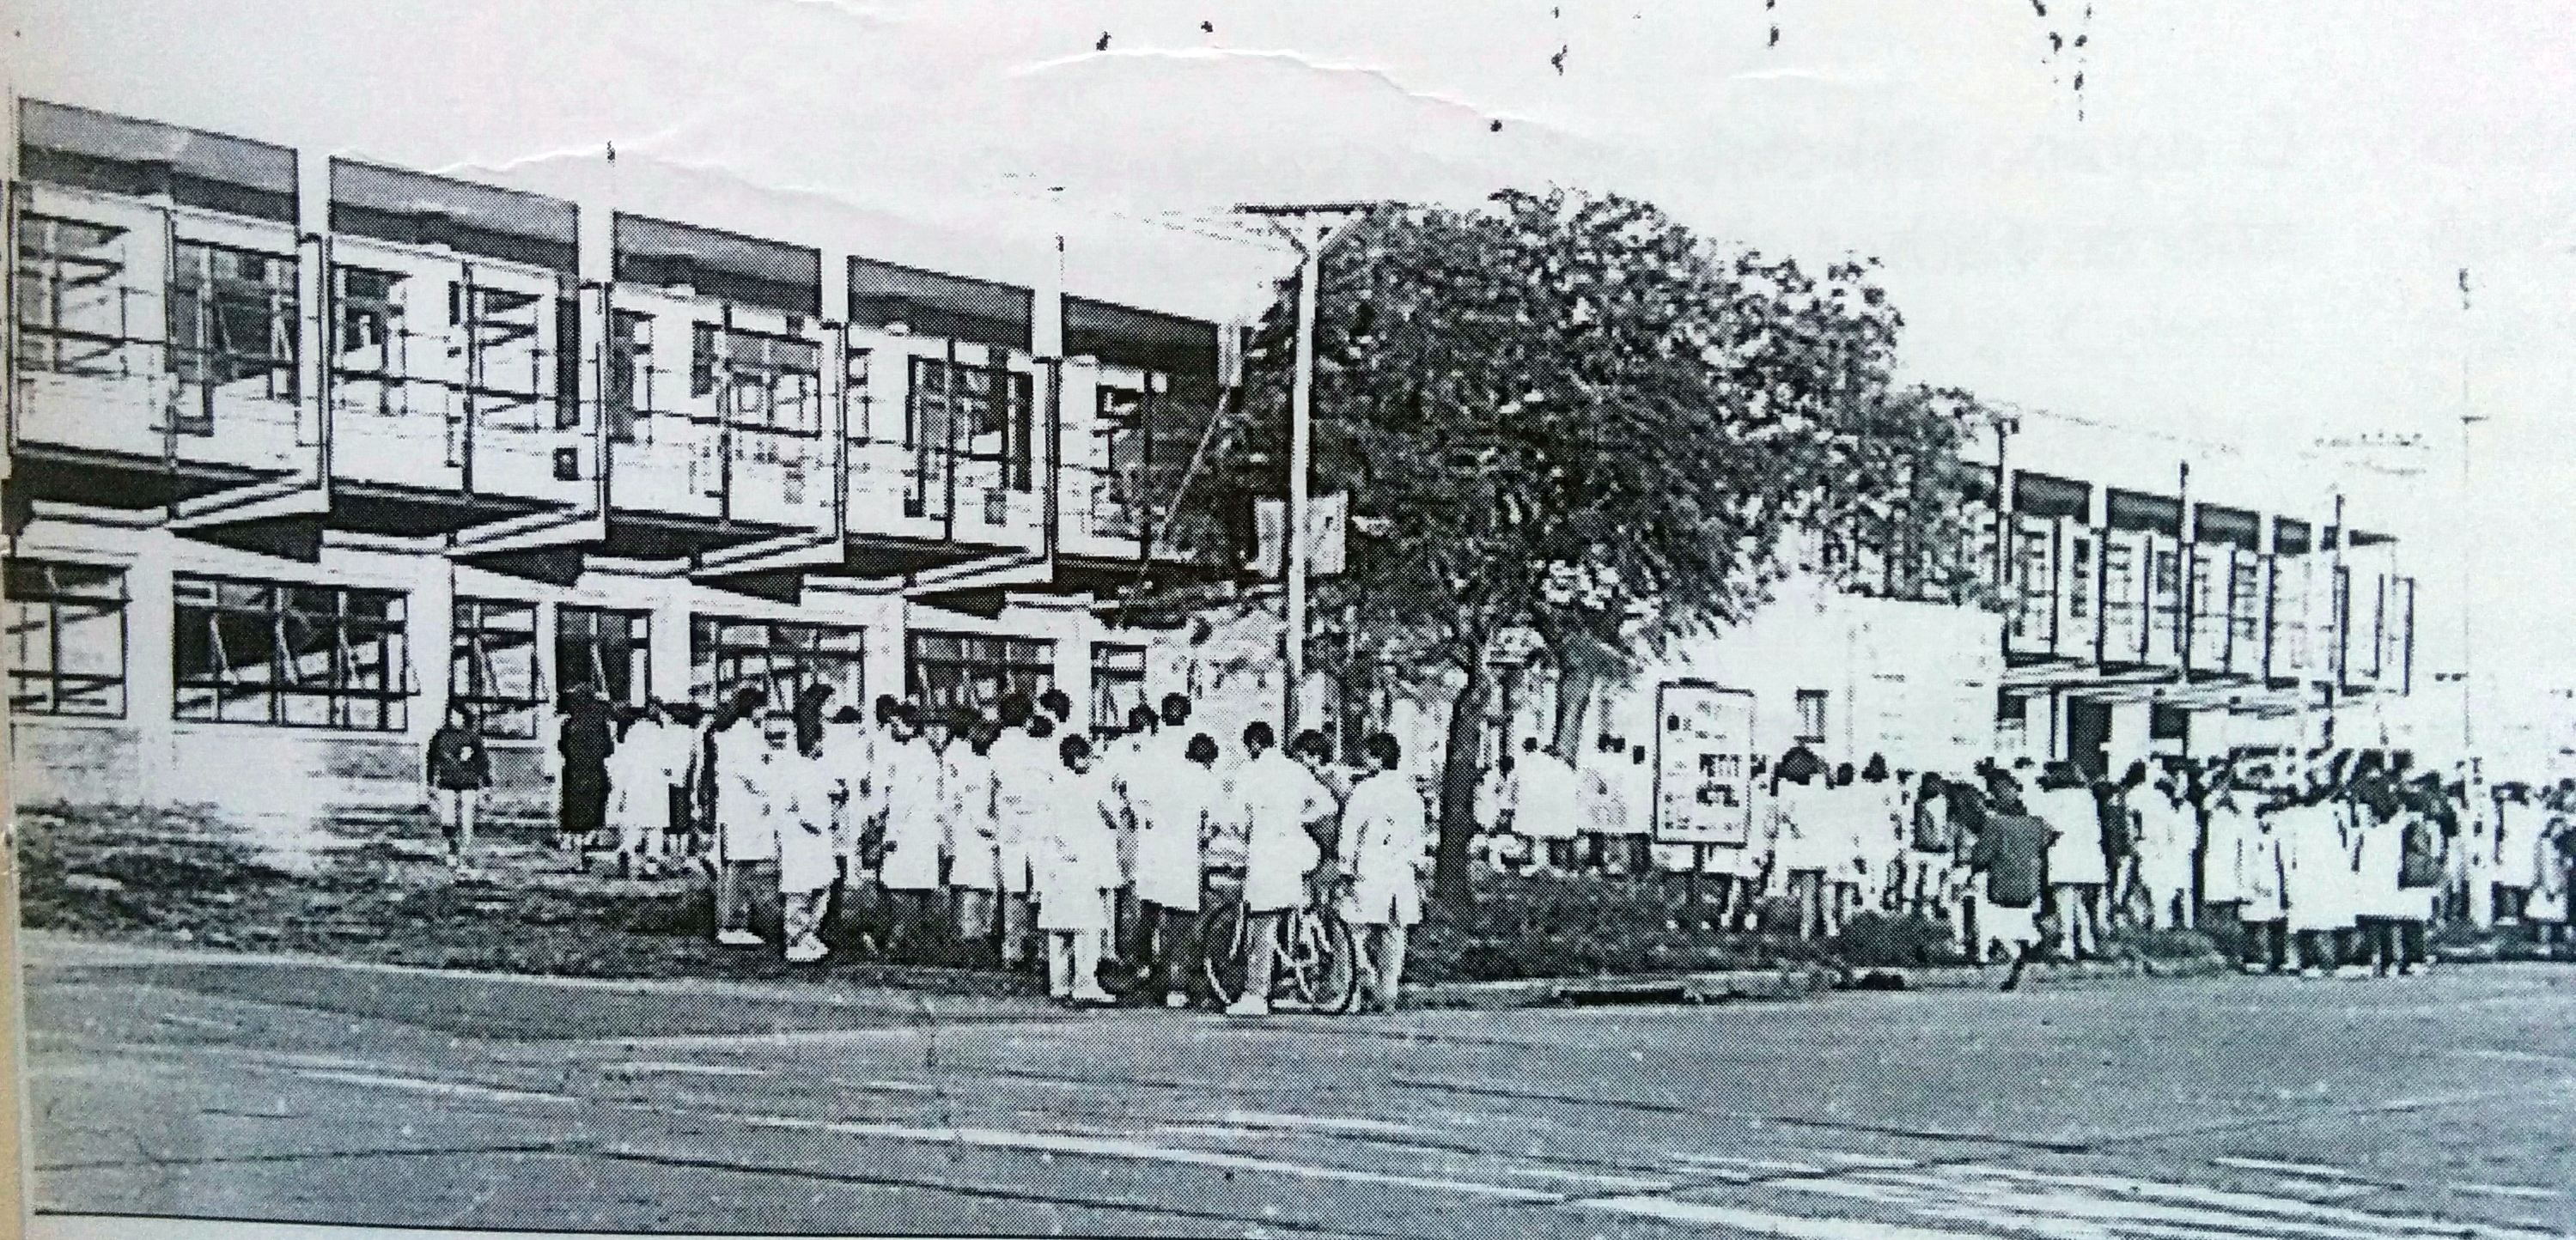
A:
(2330, 861)
(999, 836)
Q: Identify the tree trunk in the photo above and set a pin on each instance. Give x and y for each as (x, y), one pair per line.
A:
(1574, 686)
(1458, 780)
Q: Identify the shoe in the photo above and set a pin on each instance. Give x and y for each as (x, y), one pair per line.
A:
(738, 938)
(2249, 968)
(1249, 1006)
(1094, 997)
(2352, 972)
(806, 953)
(2312, 971)
(1176, 1000)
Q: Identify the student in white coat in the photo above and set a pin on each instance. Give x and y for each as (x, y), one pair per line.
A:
(1172, 829)
(1386, 843)
(2077, 870)
(1547, 807)
(1278, 799)
(1024, 762)
(746, 838)
(1076, 865)
(637, 800)
(975, 837)
(802, 794)
(917, 795)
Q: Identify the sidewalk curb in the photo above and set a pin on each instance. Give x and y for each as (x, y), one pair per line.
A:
(1779, 984)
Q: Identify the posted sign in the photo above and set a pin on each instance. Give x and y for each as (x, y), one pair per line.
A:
(1703, 765)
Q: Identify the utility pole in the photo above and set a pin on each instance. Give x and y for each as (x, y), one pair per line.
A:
(1306, 226)
(2469, 417)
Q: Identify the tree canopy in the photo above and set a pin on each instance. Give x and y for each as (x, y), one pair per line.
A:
(1570, 415)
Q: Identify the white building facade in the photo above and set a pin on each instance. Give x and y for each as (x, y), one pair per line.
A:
(302, 450)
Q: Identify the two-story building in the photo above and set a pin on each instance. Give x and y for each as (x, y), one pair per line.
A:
(302, 449)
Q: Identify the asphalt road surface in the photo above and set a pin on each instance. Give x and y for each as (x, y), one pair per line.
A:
(2233, 1108)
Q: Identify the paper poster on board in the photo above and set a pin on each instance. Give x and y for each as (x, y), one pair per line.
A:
(1703, 765)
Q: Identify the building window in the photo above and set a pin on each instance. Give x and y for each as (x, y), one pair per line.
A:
(961, 669)
(297, 655)
(954, 414)
(776, 657)
(1117, 684)
(72, 302)
(66, 639)
(607, 651)
(762, 382)
(629, 397)
(1811, 716)
(232, 327)
(370, 350)
(492, 666)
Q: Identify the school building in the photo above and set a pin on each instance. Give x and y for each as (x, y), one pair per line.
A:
(2157, 596)
(302, 449)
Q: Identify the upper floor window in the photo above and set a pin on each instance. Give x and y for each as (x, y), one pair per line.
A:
(66, 639)
(977, 412)
(315, 656)
(761, 382)
(629, 382)
(232, 325)
(1811, 716)
(72, 298)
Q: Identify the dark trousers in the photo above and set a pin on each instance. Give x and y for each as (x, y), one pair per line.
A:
(1166, 942)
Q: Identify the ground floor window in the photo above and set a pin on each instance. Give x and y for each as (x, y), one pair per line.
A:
(1117, 684)
(965, 669)
(778, 657)
(607, 651)
(300, 655)
(492, 667)
(66, 639)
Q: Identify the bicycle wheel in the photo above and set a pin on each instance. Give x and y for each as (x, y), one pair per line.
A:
(1321, 964)
(1223, 947)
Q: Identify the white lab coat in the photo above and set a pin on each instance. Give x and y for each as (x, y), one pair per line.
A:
(799, 794)
(1171, 826)
(1023, 767)
(1385, 838)
(2317, 880)
(916, 817)
(743, 829)
(974, 834)
(1547, 802)
(1078, 857)
(1278, 798)
(2075, 856)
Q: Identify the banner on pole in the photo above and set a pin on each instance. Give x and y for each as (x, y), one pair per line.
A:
(1327, 534)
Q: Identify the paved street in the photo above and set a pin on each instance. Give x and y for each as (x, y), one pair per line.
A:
(2438, 1106)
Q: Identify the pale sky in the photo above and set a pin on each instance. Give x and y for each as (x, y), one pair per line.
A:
(2251, 234)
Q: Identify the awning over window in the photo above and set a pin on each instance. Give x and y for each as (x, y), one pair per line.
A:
(719, 264)
(392, 204)
(120, 155)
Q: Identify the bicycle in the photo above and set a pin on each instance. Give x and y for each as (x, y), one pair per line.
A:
(1316, 967)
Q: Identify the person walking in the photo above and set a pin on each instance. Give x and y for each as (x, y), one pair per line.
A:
(975, 841)
(1385, 841)
(747, 779)
(1802, 831)
(1024, 762)
(637, 794)
(2012, 852)
(1278, 799)
(802, 794)
(458, 770)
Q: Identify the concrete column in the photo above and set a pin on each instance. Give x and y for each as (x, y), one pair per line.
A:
(312, 280)
(150, 680)
(667, 638)
(432, 603)
(883, 661)
(2130, 724)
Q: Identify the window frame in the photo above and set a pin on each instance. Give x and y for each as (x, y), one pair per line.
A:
(199, 349)
(1107, 715)
(1820, 700)
(638, 643)
(788, 665)
(39, 278)
(53, 596)
(1008, 663)
(463, 640)
(343, 700)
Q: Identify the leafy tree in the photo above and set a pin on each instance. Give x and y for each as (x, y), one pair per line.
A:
(1568, 415)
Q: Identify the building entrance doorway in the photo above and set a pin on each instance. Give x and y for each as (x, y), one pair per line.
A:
(2088, 736)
